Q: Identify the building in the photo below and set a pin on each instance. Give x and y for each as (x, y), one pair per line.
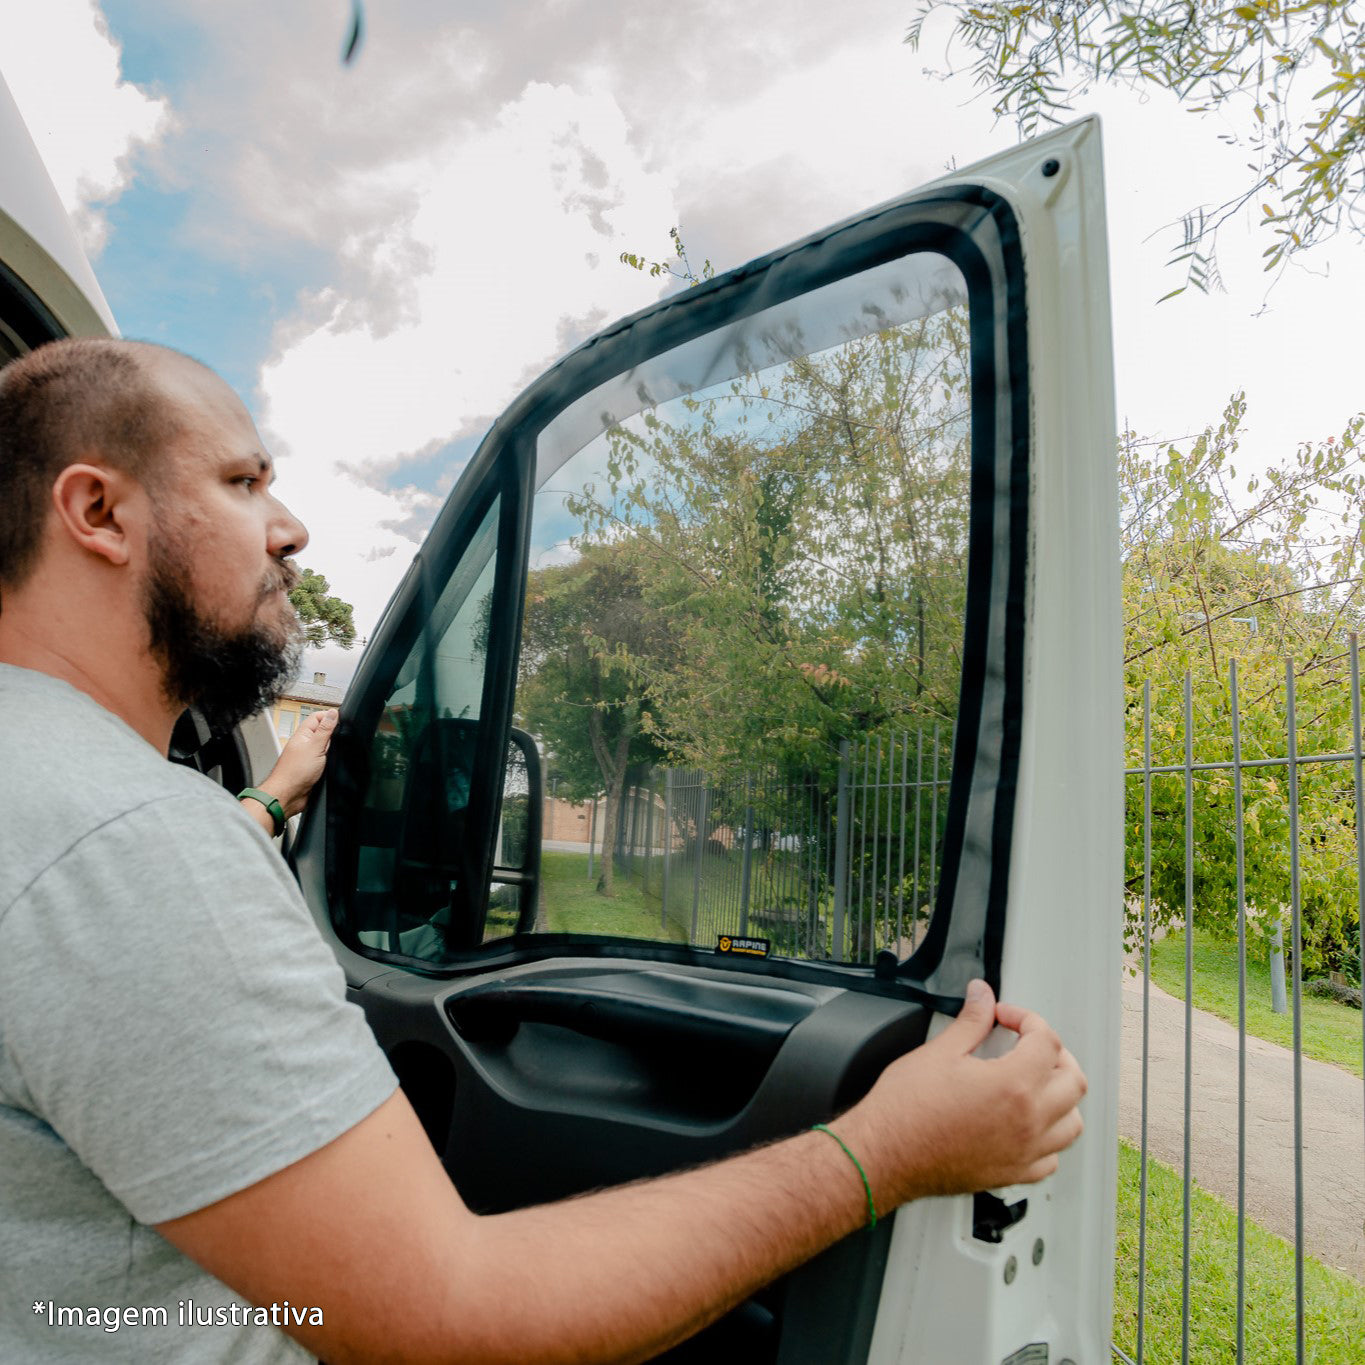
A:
(301, 699)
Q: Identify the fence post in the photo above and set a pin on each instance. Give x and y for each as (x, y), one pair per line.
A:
(649, 832)
(668, 845)
(704, 808)
(747, 872)
(841, 837)
(592, 835)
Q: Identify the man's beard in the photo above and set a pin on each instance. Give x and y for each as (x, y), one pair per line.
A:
(227, 675)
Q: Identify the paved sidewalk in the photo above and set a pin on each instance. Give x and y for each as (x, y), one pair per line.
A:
(1333, 1124)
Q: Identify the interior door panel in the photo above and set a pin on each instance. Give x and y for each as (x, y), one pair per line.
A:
(546, 1080)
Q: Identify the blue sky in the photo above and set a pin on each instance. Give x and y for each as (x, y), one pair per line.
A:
(378, 257)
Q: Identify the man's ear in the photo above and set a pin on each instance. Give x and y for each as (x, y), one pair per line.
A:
(91, 502)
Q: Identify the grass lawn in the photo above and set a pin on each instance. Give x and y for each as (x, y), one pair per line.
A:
(572, 905)
(1331, 1032)
(1334, 1320)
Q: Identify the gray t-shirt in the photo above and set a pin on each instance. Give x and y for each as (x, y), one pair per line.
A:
(173, 1029)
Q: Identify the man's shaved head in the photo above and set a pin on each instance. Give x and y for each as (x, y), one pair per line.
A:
(75, 401)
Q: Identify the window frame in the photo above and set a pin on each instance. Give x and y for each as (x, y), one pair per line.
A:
(974, 228)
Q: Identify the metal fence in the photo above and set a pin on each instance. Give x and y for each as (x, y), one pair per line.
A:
(840, 867)
(846, 867)
(1340, 1132)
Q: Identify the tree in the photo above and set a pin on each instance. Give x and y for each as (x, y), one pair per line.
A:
(1293, 71)
(803, 531)
(325, 618)
(1215, 569)
(587, 626)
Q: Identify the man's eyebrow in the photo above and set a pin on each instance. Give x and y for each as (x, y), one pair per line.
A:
(267, 465)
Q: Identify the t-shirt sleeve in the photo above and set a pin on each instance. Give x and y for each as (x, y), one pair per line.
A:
(173, 1012)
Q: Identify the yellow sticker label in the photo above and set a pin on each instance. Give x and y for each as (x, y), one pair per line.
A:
(743, 947)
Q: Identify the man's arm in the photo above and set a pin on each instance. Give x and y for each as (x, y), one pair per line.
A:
(370, 1229)
(297, 769)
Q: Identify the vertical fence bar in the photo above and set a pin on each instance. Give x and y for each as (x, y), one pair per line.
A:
(746, 875)
(668, 846)
(1360, 823)
(876, 834)
(808, 865)
(900, 874)
(649, 832)
(892, 943)
(1189, 1024)
(592, 836)
(919, 793)
(841, 842)
(1146, 1002)
(862, 851)
(1241, 1018)
(933, 829)
(702, 808)
(1295, 913)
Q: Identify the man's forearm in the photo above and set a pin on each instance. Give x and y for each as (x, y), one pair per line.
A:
(625, 1273)
(370, 1227)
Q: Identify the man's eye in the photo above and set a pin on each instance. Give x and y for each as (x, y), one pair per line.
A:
(247, 480)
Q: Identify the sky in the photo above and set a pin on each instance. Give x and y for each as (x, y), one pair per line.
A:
(379, 256)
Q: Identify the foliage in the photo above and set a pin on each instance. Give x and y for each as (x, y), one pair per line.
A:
(680, 271)
(1331, 1031)
(326, 619)
(1212, 574)
(803, 531)
(1293, 72)
(587, 627)
(1334, 1303)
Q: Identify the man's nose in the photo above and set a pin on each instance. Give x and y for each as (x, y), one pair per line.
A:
(288, 535)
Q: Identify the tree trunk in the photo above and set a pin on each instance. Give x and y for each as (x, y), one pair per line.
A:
(612, 761)
(611, 816)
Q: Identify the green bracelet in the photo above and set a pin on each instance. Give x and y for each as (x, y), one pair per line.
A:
(276, 810)
(858, 1166)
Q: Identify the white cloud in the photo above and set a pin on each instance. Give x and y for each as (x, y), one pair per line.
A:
(63, 69)
(510, 234)
(470, 182)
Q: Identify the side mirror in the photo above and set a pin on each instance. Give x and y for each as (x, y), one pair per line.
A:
(433, 855)
(514, 896)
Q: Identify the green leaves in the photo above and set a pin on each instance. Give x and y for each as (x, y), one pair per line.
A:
(325, 618)
(1036, 58)
(1211, 575)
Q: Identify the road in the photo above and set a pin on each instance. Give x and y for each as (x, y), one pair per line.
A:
(1333, 1124)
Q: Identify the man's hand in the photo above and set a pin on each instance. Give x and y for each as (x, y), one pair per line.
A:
(940, 1121)
(300, 764)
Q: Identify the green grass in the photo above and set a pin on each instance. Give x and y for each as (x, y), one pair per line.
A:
(573, 906)
(1331, 1032)
(1334, 1318)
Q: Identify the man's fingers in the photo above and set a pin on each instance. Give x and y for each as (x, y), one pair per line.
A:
(974, 1022)
(1019, 1019)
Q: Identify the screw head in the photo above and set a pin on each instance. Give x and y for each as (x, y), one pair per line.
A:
(1051, 166)
(1038, 1252)
(1011, 1269)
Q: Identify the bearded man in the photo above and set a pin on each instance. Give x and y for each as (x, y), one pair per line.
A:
(190, 1111)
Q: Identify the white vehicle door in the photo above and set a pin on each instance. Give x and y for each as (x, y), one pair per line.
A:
(887, 454)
